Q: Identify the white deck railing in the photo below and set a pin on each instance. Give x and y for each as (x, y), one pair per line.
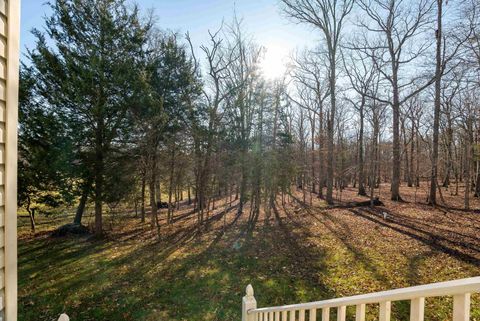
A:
(459, 289)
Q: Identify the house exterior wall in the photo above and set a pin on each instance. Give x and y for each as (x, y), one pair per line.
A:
(9, 77)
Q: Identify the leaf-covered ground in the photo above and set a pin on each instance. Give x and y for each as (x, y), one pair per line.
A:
(300, 252)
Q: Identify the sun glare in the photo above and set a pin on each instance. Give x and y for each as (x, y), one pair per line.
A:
(274, 61)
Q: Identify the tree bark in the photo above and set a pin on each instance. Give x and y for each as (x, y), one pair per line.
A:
(151, 186)
(361, 175)
(468, 161)
(331, 126)
(170, 186)
(412, 151)
(82, 203)
(432, 199)
(396, 162)
(320, 153)
(99, 180)
(31, 214)
(312, 128)
(142, 211)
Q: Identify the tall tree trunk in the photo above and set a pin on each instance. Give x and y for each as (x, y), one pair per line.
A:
(396, 162)
(477, 180)
(331, 127)
(151, 187)
(467, 176)
(31, 214)
(446, 181)
(243, 182)
(468, 161)
(405, 152)
(158, 191)
(417, 158)
(321, 169)
(82, 203)
(432, 199)
(477, 164)
(361, 175)
(142, 193)
(412, 151)
(98, 174)
(373, 162)
(312, 126)
(170, 186)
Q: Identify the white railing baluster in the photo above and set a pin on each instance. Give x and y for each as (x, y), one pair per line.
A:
(461, 307)
(459, 289)
(302, 315)
(417, 309)
(360, 312)
(292, 315)
(385, 310)
(341, 313)
(326, 314)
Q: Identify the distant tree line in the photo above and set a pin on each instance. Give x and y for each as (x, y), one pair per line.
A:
(115, 110)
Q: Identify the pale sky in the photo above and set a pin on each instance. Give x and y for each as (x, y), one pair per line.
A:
(262, 19)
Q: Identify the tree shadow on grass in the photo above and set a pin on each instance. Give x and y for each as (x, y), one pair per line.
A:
(430, 237)
(114, 279)
(342, 232)
(184, 276)
(309, 260)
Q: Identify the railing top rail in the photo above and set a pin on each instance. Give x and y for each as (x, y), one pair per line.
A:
(469, 285)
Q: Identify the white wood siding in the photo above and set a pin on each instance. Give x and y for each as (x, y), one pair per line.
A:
(9, 74)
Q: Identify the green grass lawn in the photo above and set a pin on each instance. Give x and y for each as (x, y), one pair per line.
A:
(295, 255)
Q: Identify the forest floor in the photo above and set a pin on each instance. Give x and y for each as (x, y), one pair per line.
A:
(299, 253)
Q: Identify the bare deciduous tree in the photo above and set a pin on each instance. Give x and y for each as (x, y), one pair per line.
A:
(329, 17)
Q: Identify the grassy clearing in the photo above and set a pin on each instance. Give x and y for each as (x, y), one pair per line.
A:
(299, 253)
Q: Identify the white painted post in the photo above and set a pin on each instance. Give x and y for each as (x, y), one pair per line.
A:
(325, 314)
(292, 315)
(302, 315)
(461, 307)
(64, 317)
(313, 315)
(385, 310)
(341, 313)
(9, 53)
(360, 312)
(417, 308)
(248, 303)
